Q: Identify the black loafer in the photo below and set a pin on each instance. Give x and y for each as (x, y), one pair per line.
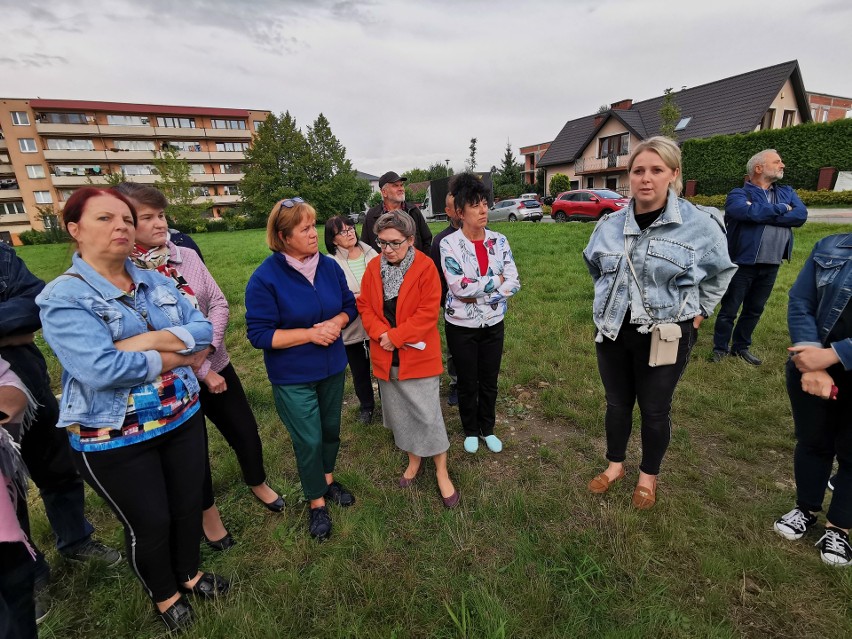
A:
(365, 416)
(748, 357)
(320, 523)
(717, 356)
(178, 616)
(339, 495)
(276, 506)
(209, 586)
(224, 543)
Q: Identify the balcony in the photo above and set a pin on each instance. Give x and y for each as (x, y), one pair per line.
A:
(3, 144)
(11, 194)
(6, 169)
(607, 164)
(120, 131)
(179, 133)
(227, 156)
(71, 130)
(83, 157)
(224, 199)
(228, 178)
(230, 134)
(77, 180)
(17, 218)
(129, 156)
(206, 178)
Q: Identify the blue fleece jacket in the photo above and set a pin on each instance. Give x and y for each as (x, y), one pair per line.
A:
(748, 212)
(278, 296)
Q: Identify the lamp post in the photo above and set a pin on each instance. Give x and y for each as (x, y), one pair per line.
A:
(448, 166)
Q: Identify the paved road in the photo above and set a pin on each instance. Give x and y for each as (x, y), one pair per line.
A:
(830, 216)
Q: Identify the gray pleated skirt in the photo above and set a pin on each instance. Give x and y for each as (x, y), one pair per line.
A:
(411, 408)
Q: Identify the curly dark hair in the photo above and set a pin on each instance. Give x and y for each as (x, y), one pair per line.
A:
(467, 189)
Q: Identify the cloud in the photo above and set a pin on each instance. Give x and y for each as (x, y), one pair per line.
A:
(33, 60)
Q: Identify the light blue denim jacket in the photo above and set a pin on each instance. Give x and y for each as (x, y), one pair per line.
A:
(81, 320)
(821, 292)
(681, 261)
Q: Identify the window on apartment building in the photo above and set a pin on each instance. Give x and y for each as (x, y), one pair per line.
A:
(12, 208)
(64, 170)
(62, 118)
(258, 124)
(232, 146)
(789, 118)
(200, 191)
(196, 169)
(35, 171)
(139, 169)
(133, 145)
(768, 120)
(20, 118)
(182, 145)
(614, 145)
(231, 189)
(50, 222)
(27, 145)
(230, 168)
(128, 120)
(58, 144)
(228, 124)
(43, 197)
(64, 194)
(176, 123)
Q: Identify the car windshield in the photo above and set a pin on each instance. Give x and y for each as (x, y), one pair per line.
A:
(607, 195)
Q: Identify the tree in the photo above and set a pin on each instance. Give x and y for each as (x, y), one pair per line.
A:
(416, 175)
(374, 199)
(510, 171)
(470, 165)
(559, 183)
(177, 186)
(540, 179)
(669, 115)
(603, 108)
(438, 170)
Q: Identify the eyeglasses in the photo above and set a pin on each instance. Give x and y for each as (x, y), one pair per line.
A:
(290, 203)
(393, 245)
(346, 231)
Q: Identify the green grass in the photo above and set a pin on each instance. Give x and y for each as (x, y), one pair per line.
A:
(529, 553)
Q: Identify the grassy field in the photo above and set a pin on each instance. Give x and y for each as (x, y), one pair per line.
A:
(529, 552)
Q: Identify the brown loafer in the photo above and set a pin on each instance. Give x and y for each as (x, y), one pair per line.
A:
(644, 498)
(602, 483)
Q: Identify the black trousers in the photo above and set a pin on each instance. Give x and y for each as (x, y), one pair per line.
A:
(750, 288)
(358, 355)
(823, 432)
(154, 489)
(17, 606)
(231, 413)
(477, 353)
(627, 378)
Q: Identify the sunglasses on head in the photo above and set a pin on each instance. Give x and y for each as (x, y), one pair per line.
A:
(290, 203)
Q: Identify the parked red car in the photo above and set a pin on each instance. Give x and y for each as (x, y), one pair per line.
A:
(586, 204)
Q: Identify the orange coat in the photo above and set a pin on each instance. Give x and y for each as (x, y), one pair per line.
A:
(417, 310)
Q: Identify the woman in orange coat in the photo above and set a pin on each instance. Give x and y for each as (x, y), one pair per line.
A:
(399, 306)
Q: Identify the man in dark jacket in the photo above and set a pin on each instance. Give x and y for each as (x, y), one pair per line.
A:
(435, 253)
(393, 199)
(759, 218)
(44, 447)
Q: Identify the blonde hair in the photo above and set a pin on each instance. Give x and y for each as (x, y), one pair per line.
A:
(282, 220)
(669, 153)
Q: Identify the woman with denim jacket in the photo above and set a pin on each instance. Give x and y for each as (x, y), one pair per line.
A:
(660, 260)
(819, 383)
(128, 343)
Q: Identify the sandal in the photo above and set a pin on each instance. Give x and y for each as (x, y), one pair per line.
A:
(602, 483)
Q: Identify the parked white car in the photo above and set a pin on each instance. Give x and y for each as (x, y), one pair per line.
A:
(515, 210)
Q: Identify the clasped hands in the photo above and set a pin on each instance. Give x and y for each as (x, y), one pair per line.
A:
(811, 362)
(325, 333)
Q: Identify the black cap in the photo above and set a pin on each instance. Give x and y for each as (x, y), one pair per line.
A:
(390, 176)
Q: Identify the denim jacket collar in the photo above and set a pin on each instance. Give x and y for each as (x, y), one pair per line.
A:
(846, 242)
(670, 216)
(104, 287)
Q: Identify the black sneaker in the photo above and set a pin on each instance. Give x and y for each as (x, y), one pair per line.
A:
(717, 356)
(320, 523)
(94, 551)
(834, 548)
(453, 397)
(365, 415)
(747, 356)
(339, 495)
(179, 616)
(795, 524)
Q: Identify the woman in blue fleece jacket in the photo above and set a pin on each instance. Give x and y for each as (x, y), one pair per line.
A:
(297, 302)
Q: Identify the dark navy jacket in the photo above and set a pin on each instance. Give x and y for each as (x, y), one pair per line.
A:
(278, 296)
(747, 214)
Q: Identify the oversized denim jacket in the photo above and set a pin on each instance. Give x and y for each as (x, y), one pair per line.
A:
(82, 318)
(681, 261)
(821, 292)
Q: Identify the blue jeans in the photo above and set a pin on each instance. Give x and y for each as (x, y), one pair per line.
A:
(750, 288)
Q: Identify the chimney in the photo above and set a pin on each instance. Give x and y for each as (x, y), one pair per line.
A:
(622, 105)
(600, 117)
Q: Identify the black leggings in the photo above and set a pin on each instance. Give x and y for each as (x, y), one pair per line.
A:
(231, 414)
(358, 355)
(626, 376)
(154, 488)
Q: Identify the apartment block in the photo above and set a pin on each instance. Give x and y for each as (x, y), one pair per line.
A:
(49, 148)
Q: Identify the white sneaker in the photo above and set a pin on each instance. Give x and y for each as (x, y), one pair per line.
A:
(834, 548)
(795, 524)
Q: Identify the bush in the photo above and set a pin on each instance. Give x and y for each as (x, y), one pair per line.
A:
(810, 198)
(718, 163)
(559, 183)
(52, 236)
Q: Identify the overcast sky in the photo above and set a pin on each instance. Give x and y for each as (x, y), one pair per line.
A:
(406, 84)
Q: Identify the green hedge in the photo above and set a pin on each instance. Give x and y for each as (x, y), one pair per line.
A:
(718, 164)
(810, 198)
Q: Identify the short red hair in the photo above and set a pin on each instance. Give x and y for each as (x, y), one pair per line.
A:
(73, 210)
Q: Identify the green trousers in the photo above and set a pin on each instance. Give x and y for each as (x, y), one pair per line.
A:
(311, 413)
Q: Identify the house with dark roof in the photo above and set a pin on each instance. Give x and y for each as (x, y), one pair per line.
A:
(372, 179)
(592, 151)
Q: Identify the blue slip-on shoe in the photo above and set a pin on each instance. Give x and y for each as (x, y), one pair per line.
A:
(493, 443)
(471, 444)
